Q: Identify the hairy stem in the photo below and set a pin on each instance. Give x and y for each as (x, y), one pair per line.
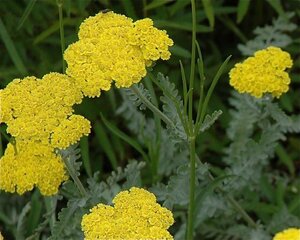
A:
(74, 176)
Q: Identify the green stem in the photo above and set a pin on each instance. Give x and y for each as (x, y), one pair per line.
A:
(61, 30)
(75, 178)
(151, 106)
(191, 210)
(193, 63)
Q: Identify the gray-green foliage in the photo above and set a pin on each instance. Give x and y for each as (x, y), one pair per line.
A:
(256, 128)
(270, 35)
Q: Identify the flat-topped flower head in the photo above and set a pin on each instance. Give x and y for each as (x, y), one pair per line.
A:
(263, 73)
(113, 48)
(34, 109)
(31, 164)
(135, 215)
(288, 234)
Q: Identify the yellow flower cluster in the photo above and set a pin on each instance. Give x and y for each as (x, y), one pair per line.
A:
(288, 234)
(135, 215)
(1, 237)
(39, 115)
(29, 164)
(112, 47)
(36, 109)
(263, 73)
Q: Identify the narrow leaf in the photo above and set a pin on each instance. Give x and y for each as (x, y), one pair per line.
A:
(10, 46)
(209, 12)
(276, 4)
(125, 137)
(156, 4)
(26, 13)
(105, 144)
(242, 9)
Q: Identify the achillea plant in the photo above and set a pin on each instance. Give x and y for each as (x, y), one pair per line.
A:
(39, 116)
(263, 73)
(135, 215)
(288, 234)
(112, 47)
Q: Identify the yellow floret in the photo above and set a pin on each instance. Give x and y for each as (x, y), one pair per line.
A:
(262, 73)
(288, 234)
(31, 164)
(92, 27)
(135, 215)
(111, 48)
(69, 131)
(33, 108)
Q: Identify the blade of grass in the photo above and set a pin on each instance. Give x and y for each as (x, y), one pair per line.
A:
(242, 9)
(125, 137)
(54, 28)
(184, 86)
(200, 65)
(26, 13)
(277, 6)
(180, 51)
(12, 51)
(156, 4)
(209, 93)
(186, 26)
(209, 12)
(106, 144)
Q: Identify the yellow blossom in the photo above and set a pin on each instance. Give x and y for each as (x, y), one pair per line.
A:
(69, 131)
(34, 108)
(1, 237)
(135, 215)
(262, 73)
(31, 164)
(112, 47)
(288, 234)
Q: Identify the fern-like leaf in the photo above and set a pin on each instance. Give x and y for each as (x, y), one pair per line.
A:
(209, 120)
